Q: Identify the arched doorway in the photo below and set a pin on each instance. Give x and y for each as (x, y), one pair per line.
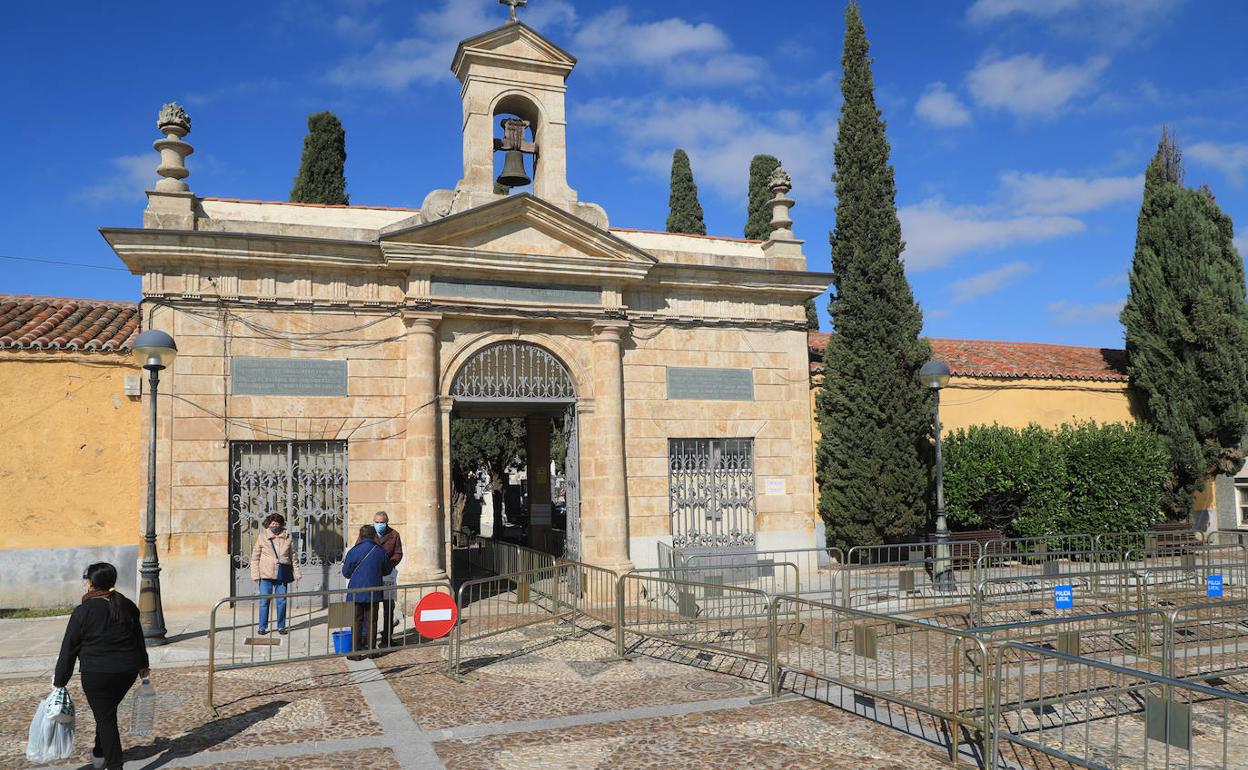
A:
(500, 386)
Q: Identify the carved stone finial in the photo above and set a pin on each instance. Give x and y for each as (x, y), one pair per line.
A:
(779, 180)
(172, 115)
(174, 123)
(781, 224)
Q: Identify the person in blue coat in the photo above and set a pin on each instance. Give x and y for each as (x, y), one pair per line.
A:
(364, 566)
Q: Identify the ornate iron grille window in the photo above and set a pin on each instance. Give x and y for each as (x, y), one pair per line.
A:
(304, 481)
(711, 491)
(513, 371)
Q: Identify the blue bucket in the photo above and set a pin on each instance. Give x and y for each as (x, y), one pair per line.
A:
(342, 641)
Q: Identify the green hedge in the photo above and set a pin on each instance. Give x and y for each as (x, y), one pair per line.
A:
(1036, 481)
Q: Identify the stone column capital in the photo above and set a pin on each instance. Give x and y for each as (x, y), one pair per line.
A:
(446, 404)
(610, 331)
(422, 321)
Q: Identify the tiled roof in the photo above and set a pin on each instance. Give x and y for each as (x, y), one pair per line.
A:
(1014, 360)
(58, 323)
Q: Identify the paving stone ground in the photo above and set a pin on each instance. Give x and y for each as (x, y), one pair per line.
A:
(528, 699)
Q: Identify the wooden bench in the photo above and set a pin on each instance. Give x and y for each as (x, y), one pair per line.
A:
(958, 541)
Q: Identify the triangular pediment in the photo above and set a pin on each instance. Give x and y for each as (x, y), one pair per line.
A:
(513, 41)
(522, 225)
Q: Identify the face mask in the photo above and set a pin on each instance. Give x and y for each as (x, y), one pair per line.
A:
(381, 528)
(275, 528)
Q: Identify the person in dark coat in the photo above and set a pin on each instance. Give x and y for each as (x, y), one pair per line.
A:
(105, 638)
(365, 565)
(392, 544)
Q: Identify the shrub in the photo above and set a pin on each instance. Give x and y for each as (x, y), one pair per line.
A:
(1036, 481)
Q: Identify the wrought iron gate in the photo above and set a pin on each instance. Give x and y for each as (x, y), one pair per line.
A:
(711, 492)
(572, 489)
(304, 481)
(523, 373)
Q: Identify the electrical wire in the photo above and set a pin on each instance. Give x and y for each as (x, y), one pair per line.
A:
(60, 263)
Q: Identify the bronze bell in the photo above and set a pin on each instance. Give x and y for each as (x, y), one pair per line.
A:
(514, 174)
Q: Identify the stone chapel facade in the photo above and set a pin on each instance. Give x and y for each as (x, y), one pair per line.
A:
(325, 350)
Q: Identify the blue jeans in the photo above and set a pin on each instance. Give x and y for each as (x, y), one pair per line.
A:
(268, 587)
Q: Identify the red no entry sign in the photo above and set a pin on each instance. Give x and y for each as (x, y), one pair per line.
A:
(435, 615)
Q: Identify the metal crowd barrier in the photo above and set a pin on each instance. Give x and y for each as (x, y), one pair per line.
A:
(499, 557)
(1041, 543)
(1135, 638)
(848, 653)
(906, 577)
(1001, 564)
(495, 605)
(1207, 641)
(818, 568)
(312, 617)
(769, 577)
(591, 590)
(1094, 714)
(704, 616)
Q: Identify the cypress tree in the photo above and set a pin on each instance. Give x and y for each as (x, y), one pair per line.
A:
(874, 416)
(812, 316)
(1186, 322)
(684, 211)
(322, 176)
(758, 213)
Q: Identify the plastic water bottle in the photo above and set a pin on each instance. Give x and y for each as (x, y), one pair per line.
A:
(143, 717)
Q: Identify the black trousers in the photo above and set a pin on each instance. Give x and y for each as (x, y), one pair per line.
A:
(387, 622)
(104, 692)
(364, 635)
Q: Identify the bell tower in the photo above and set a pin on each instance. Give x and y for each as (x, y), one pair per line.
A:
(513, 82)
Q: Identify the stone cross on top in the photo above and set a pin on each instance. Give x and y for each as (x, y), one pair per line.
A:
(512, 5)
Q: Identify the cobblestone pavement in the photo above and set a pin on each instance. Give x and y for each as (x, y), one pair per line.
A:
(529, 699)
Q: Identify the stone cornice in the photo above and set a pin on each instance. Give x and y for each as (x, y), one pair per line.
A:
(139, 248)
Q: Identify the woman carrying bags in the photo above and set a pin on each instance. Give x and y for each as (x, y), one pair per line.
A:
(105, 637)
(273, 567)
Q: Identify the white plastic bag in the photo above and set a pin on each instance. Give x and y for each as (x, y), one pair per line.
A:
(51, 739)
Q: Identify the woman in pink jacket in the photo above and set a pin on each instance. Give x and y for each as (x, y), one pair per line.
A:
(274, 567)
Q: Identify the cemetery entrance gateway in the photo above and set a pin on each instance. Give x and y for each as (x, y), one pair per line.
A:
(521, 379)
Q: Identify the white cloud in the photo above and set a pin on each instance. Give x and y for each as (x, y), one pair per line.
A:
(1027, 86)
(935, 232)
(426, 56)
(1051, 194)
(1066, 312)
(1231, 159)
(1113, 280)
(130, 176)
(721, 137)
(681, 52)
(942, 107)
(984, 11)
(990, 282)
(1111, 23)
(1241, 243)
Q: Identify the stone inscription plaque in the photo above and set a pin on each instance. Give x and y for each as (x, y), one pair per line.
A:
(287, 377)
(510, 291)
(710, 384)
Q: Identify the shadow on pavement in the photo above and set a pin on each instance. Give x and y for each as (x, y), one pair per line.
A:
(203, 738)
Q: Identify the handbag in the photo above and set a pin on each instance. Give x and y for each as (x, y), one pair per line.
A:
(285, 572)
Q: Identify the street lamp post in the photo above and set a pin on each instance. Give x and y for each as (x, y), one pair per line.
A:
(935, 375)
(154, 350)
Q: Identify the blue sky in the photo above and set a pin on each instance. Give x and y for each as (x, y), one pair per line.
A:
(1019, 127)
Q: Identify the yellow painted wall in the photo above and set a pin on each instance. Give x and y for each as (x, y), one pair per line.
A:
(69, 450)
(1017, 403)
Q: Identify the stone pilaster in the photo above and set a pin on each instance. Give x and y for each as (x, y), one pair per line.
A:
(604, 500)
(422, 491)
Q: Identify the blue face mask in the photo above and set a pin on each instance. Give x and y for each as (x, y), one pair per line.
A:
(381, 528)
